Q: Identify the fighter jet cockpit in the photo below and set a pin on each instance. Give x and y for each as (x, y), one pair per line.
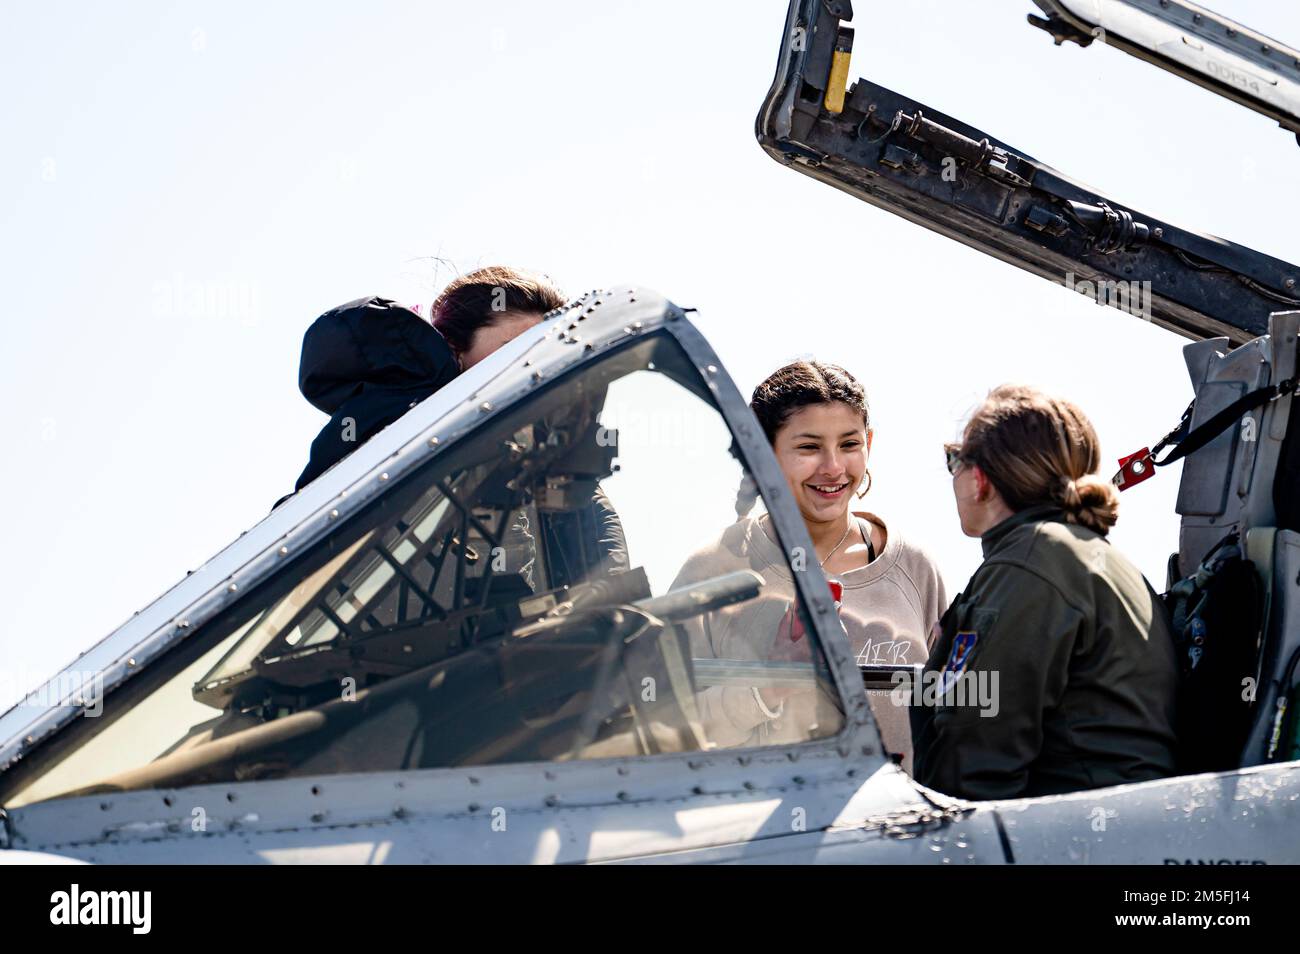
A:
(533, 593)
(573, 585)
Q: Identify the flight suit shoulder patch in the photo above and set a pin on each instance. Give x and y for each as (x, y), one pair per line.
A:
(973, 624)
(963, 644)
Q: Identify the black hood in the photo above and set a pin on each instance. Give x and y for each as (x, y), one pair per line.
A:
(367, 345)
(366, 364)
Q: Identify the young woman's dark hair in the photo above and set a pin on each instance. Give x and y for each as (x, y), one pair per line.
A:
(800, 384)
(480, 298)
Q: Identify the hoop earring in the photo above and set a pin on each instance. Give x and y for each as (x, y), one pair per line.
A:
(863, 492)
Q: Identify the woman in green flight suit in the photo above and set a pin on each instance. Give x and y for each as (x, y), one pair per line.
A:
(1065, 649)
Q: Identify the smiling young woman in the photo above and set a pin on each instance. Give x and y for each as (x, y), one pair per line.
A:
(816, 417)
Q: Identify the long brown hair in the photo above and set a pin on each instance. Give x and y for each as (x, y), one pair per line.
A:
(1039, 449)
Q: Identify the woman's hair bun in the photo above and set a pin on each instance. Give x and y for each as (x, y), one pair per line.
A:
(1091, 502)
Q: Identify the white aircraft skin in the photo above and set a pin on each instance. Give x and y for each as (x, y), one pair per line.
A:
(838, 800)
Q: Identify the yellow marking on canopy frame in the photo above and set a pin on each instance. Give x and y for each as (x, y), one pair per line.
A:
(837, 83)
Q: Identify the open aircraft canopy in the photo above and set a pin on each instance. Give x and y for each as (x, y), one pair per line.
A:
(1189, 41)
(954, 179)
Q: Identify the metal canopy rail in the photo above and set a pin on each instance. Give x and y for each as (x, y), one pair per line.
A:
(1191, 42)
(954, 179)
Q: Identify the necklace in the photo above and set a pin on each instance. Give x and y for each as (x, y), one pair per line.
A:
(838, 545)
(822, 563)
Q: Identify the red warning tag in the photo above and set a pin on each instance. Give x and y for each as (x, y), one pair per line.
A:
(1134, 469)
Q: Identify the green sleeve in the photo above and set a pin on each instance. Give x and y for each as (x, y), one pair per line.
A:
(1019, 667)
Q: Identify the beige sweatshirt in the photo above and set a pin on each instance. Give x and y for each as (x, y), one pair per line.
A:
(888, 609)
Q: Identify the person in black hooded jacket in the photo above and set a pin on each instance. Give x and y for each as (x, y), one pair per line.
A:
(368, 362)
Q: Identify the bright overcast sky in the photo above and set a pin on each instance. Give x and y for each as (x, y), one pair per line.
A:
(283, 158)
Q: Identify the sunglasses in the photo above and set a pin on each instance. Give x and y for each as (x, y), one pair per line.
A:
(954, 459)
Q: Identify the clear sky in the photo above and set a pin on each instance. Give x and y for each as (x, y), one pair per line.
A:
(184, 187)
